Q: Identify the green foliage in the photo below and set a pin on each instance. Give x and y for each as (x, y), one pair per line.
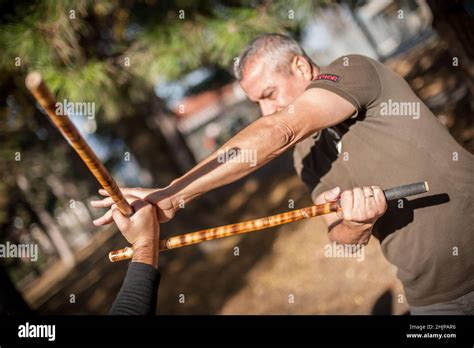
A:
(82, 47)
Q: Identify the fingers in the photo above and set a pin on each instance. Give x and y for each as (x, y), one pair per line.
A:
(104, 220)
(363, 204)
(136, 203)
(102, 203)
(359, 200)
(370, 203)
(135, 191)
(103, 192)
(347, 199)
(332, 195)
(380, 201)
(107, 218)
(108, 202)
(121, 220)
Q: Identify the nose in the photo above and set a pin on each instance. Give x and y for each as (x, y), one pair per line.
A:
(267, 108)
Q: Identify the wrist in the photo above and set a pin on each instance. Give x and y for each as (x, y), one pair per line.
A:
(146, 251)
(175, 195)
(165, 199)
(359, 226)
(351, 232)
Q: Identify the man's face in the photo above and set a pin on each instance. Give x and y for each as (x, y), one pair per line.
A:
(274, 90)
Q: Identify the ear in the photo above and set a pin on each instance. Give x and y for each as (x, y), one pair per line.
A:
(301, 67)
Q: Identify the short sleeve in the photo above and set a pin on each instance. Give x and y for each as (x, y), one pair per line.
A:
(353, 78)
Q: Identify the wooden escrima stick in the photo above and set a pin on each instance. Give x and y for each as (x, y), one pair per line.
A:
(233, 229)
(266, 222)
(40, 91)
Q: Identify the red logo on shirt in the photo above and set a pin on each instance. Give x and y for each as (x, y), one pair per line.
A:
(329, 77)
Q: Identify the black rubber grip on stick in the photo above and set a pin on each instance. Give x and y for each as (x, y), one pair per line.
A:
(406, 190)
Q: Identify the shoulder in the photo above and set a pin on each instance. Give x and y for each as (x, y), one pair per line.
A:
(349, 59)
(353, 77)
(351, 64)
(352, 68)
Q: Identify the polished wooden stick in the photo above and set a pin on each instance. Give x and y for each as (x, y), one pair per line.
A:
(266, 222)
(40, 91)
(233, 229)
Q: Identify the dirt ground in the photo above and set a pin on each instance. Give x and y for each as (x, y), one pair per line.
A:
(282, 270)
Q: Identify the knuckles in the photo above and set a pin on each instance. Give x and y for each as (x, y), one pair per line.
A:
(347, 194)
(355, 207)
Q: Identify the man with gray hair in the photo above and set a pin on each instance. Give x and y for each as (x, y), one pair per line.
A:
(276, 47)
(350, 137)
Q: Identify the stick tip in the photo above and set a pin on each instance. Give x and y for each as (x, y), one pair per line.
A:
(33, 80)
(426, 186)
(122, 254)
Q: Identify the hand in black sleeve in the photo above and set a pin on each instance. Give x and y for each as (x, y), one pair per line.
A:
(139, 290)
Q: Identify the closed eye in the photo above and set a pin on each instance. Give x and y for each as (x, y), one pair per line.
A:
(269, 95)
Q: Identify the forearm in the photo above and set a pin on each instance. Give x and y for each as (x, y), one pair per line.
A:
(350, 233)
(253, 147)
(266, 138)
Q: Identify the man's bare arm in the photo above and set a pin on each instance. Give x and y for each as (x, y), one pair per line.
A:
(268, 137)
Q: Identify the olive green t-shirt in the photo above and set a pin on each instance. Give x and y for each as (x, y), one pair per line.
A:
(394, 139)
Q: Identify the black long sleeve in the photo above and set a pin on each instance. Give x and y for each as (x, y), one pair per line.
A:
(139, 291)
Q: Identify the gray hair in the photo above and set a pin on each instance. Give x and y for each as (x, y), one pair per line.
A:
(280, 48)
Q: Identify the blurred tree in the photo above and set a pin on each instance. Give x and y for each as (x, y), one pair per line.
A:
(50, 224)
(111, 53)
